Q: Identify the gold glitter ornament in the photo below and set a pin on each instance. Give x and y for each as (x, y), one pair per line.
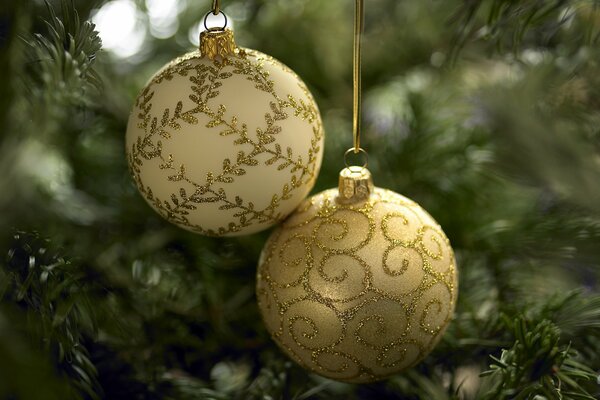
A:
(224, 141)
(359, 283)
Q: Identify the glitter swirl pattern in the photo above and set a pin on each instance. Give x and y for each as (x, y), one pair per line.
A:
(357, 292)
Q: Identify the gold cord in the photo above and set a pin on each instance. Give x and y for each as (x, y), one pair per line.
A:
(358, 30)
(216, 8)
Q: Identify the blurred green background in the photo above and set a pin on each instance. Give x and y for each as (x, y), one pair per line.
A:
(486, 112)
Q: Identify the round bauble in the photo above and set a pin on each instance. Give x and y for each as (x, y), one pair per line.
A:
(359, 283)
(224, 141)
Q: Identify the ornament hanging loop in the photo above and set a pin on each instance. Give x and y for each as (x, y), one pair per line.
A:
(222, 28)
(359, 17)
(360, 151)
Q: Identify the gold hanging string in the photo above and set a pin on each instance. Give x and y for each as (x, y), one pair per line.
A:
(216, 8)
(358, 30)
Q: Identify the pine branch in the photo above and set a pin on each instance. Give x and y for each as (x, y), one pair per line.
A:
(511, 24)
(576, 314)
(60, 71)
(52, 293)
(22, 362)
(515, 188)
(537, 364)
(54, 79)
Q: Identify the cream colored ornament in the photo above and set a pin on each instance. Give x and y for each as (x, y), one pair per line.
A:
(359, 283)
(224, 141)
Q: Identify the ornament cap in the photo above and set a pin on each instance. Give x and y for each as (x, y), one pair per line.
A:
(355, 184)
(217, 42)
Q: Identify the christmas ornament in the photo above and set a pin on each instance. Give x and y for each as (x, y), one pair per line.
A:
(360, 282)
(224, 140)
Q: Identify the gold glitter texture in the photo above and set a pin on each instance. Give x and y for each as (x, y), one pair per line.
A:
(225, 146)
(217, 43)
(357, 292)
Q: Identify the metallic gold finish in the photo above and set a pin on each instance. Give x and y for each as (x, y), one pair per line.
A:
(357, 292)
(358, 30)
(355, 184)
(217, 43)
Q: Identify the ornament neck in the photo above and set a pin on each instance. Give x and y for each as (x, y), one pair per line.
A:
(355, 185)
(217, 42)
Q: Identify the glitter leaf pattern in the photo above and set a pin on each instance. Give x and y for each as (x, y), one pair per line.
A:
(262, 148)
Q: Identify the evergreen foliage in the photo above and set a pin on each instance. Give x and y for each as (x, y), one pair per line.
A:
(484, 111)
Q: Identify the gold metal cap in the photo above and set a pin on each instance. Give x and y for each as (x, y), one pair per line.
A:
(355, 184)
(217, 42)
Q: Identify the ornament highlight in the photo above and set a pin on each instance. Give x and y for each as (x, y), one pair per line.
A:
(224, 141)
(359, 283)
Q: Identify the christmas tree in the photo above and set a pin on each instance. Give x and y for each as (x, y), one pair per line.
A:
(485, 112)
